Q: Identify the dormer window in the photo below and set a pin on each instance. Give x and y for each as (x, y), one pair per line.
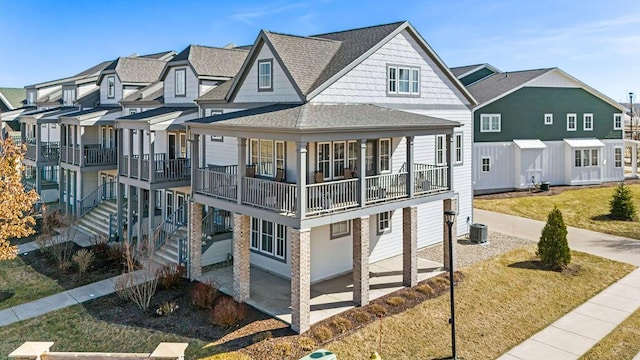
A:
(265, 79)
(68, 97)
(181, 81)
(403, 80)
(111, 87)
(31, 98)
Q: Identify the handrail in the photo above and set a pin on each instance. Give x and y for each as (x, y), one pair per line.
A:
(113, 218)
(216, 221)
(183, 251)
(94, 198)
(170, 225)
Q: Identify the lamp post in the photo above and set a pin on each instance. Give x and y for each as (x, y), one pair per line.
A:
(631, 115)
(450, 217)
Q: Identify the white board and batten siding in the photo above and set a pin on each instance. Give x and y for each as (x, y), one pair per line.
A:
(501, 160)
(554, 79)
(104, 99)
(191, 86)
(283, 90)
(609, 171)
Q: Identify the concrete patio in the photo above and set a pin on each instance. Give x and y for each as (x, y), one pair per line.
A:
(272, 294)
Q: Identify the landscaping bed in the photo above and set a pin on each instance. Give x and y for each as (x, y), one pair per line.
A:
(38, 231)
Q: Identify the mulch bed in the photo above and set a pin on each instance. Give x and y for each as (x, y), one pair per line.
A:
(554, 190)
(104, 266)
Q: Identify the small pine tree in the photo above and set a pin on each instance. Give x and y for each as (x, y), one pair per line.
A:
(553, 247)
(621, 204)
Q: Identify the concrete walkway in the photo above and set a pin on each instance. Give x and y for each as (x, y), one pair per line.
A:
(578, 331)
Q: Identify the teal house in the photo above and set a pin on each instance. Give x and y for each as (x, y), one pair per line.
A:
(541, 125)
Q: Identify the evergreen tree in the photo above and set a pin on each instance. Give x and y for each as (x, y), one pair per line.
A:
(621, 204)
(553, 247)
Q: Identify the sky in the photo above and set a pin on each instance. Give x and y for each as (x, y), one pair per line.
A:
(597, 42)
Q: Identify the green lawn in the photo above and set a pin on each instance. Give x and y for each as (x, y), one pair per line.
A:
(19, 284)
(584, 208)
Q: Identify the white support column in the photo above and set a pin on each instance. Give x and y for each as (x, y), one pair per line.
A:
(634, 159)
(300, 279)
(411, 174)
(140, 215)
(80, 145)
(361, 261)
(450, 160)
(242, 167)
(38, 145)
(140, 154)
(152, 163)
(129, 213)
(301, 189)
(151, 207)
(449, 204)
(130, 158)
(362, 172)
(410, 246)
(120, 204)
(241, 257)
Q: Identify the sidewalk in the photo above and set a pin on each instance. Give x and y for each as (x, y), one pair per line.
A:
(578, 331)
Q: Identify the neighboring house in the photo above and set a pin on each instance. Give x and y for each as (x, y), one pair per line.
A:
(471, 73)
(12, 103)
(332, 151)
(543, 125)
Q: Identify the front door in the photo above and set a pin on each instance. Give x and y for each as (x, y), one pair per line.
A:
(182, 214)
(172, 146)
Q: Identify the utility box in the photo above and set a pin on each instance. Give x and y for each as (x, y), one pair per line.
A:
(478, 233)
(320, 354)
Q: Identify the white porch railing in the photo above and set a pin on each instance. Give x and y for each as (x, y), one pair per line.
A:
(216, 184)
(430, 179)
(269, 194)
(386, 187)
(330, 196)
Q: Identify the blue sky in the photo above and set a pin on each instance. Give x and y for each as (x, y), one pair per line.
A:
(596, 41)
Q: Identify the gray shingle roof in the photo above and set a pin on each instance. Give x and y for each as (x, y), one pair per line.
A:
(15, 96)
(137, 69)
(460, 70)
(94, 70)
(146, 115)
(219, 92)
(501, 83)
(312, 116)
(211, 61)
(108, 109)
(164, 55)
(147, 93)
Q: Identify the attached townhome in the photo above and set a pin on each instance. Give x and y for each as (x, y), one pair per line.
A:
(332, 153)
(154, 165)
(12, 103)
(539, 126)
(88, 141)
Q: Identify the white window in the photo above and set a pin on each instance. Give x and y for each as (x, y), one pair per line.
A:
(548, 119)
(486, 164)
(490, 123)
(111, 87)
(265, 164)
(265, 78)
(384, 222)
(586, 158)
(572, 122)
(183, 144)
(31, 99)
(266, 156)
(340, 229)
(339, 160)
(268, 238)
(587, 122)
(578, 158)
(458, 148)
(440, 150)
(617, 157)
(617, 121)
(352, 155)
(324, 159)
(68, 97)
(384, 156)
(211, 112)
(181, 82)
(333, 157)
(403, 80)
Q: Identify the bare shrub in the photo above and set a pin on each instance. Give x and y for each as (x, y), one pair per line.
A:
(62, 253)
(43, 241)
(341, 324)
(306, 343)
(282, 349)
(425, 289)
(136, 287)
(395, 301)
(83, 259)
(377, 310)
(227, 312)
(409, 294)
(170, 276)
(100, 244)
(204, 295)
(361, 316)
(322, 334)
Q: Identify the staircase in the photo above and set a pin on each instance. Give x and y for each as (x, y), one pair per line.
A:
(96, 221)
(169, 252)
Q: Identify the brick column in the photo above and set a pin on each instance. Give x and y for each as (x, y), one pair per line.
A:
(410, 246)
(448, 204)
(300, 279)
(241, 257)
(195, 240)
(361, 261)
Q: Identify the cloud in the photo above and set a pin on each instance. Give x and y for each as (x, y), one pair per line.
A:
(252, 15)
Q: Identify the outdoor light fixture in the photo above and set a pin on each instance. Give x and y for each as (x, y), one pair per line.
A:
(450, 217)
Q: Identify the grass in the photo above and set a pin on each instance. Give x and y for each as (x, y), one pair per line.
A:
(583, 208)
(501, 302)
(19, 284)
(622, 343)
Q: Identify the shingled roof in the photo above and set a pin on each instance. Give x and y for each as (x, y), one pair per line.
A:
(212, 61)
(14, 97)
(217, 93)
(153, 92)
(502, 83)
(135, 69)
(461, 70)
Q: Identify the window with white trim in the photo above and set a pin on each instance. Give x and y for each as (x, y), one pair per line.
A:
(340, 229)
(587, 122)
(572, 122)
(265, 75)
(458, 148)
(268, 238)
(181, 82)
(339, 160)
(403, 80)
(548, 119)
(383, 222)
(586, 157)
(490, 122)
(384, 155)
(352, 154)
(333, 157)
(111, 87)
(617, 121)
(486, 164)
(31, 98)
(440, 150)
(68, 97)
(264, 154)
(617, 157)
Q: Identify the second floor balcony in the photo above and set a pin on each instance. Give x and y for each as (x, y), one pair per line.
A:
(43, 151)
(160, 169)
(89, 155)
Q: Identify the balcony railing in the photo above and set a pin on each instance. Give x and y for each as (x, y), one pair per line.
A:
(92, 155)
(49, 151)
(162, 170)
(324, 197)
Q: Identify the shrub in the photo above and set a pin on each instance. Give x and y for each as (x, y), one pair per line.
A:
(282, 349)
(137, 289)
(395, 301)
(227, 312)
(361, 316)
(621, 205)
(262, 336)
(553, 248)
(167, 308)
(322, 334)
(62, 253)
(204, 295)
(341, 324)
(409, 294)
(306, 343)
(439, 283)
(83, 259)
(100, 244)
(170, 276)
(425, 289)
(377, 310)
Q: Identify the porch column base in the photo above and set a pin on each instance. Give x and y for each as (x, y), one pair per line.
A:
(449, 204)
(194, 263)
(410, 246)
(241, 258)
(361, 261)
(300, 280)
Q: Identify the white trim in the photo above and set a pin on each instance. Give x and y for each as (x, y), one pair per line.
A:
(384, 219)
(488, 164)
(478, 68)
(389, 156)
(548, 119)
(617, 151)
(583, 143)
(586, 116)
(458, 147)
(490, 118)
(529, 144)
(184, 78)
(617, 118)
(575, 122)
